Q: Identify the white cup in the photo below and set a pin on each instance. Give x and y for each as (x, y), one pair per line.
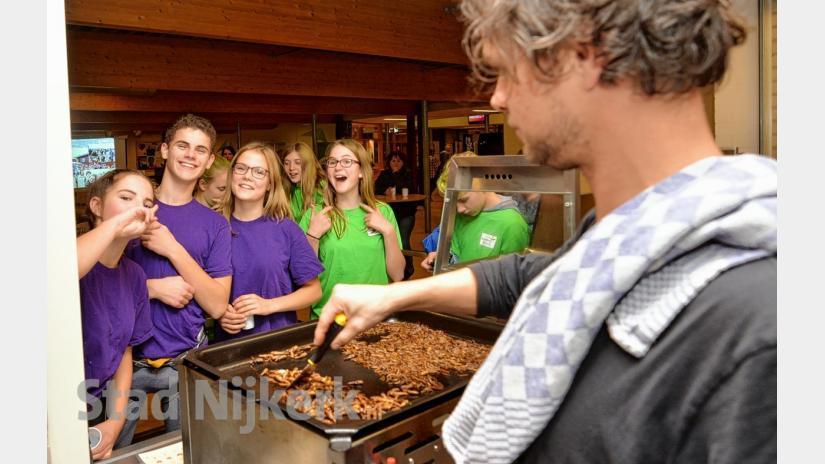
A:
(95, 437)
(405, 192)
(392, 192)
(250, 323)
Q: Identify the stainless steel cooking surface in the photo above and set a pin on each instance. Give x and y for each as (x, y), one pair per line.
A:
(410, 433)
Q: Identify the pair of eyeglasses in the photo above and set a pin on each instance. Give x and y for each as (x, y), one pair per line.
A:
(345, 163)
(257, 172)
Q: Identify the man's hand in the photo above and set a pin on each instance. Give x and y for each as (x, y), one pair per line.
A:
(376, 221)
(364, 306)
(429, 262)
(109, 430)
(250, 304)
(232, 321)
(173, 291)
(159, 239)
(319, 222)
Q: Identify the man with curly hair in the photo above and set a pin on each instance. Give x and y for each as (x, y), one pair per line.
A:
(651, 335)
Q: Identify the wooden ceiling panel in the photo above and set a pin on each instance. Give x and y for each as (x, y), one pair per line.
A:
(168, 118)
(112, 59)
(233, 103)
(426, 30)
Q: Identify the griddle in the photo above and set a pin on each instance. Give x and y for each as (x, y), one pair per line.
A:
(230, 359)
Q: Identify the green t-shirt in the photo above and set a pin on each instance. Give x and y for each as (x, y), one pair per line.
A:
(356, 258)
(490, 234)
(297, 201)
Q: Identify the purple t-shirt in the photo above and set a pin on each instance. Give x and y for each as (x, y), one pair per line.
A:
(114, 305)
(205, 235)
(271, 258)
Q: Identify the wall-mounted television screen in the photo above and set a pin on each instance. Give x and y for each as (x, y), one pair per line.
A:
(91, 158)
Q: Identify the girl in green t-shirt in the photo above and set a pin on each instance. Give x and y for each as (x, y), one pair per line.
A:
(356, 237)
(306, 181)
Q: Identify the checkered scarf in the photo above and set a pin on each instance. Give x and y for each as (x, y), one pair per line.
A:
(634, 270)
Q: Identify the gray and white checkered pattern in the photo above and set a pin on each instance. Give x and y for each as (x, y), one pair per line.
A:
(635, 270)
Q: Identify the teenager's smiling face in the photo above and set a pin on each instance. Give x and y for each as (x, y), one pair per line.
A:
(293, 166)
(250, 176)
(188, 155)
(343, 179)
(128, 191)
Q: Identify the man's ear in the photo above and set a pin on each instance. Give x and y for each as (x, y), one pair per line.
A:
(164, 150)
(211, 160)
(590, 64)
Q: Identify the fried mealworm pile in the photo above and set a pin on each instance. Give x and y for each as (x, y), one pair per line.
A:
(407, 356)
(414, 355)
(314, 385)
(295, 352)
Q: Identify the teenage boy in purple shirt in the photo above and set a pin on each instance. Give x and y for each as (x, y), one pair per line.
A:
(187, 259)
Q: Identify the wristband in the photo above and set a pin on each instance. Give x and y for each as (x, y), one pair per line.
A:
(310, 235)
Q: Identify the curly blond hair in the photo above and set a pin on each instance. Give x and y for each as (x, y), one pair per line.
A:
(665, 46)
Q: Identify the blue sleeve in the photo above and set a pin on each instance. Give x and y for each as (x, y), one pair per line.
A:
(431, 241)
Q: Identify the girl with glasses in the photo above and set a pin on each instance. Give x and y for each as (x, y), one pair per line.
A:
(276, 270)
(306, 180)
(114, 299)
(356, 237)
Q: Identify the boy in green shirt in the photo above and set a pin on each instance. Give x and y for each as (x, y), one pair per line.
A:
(487, 225)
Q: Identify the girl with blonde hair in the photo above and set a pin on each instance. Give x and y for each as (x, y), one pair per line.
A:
(306, 180)
(356, 236)
(276, 270)
(211, 187)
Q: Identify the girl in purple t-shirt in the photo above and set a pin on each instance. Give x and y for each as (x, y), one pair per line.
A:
(113, 297)
(275, 269)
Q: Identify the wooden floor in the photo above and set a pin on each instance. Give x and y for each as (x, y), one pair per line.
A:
(418, 234)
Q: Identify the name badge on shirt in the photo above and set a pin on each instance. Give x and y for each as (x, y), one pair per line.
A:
(372, 232)
(488, 240)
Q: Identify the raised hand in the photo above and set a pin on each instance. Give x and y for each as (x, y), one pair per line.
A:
(319, 222)
(376, 221)
(133, 222)
(159, 239)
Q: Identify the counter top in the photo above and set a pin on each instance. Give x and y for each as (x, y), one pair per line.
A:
(129, 454)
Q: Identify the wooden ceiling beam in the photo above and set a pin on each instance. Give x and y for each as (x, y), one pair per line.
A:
(425, 30)
(168, 118)
(111, 59)
(198, 102)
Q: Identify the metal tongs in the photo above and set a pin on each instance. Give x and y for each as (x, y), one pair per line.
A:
(315, 357)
